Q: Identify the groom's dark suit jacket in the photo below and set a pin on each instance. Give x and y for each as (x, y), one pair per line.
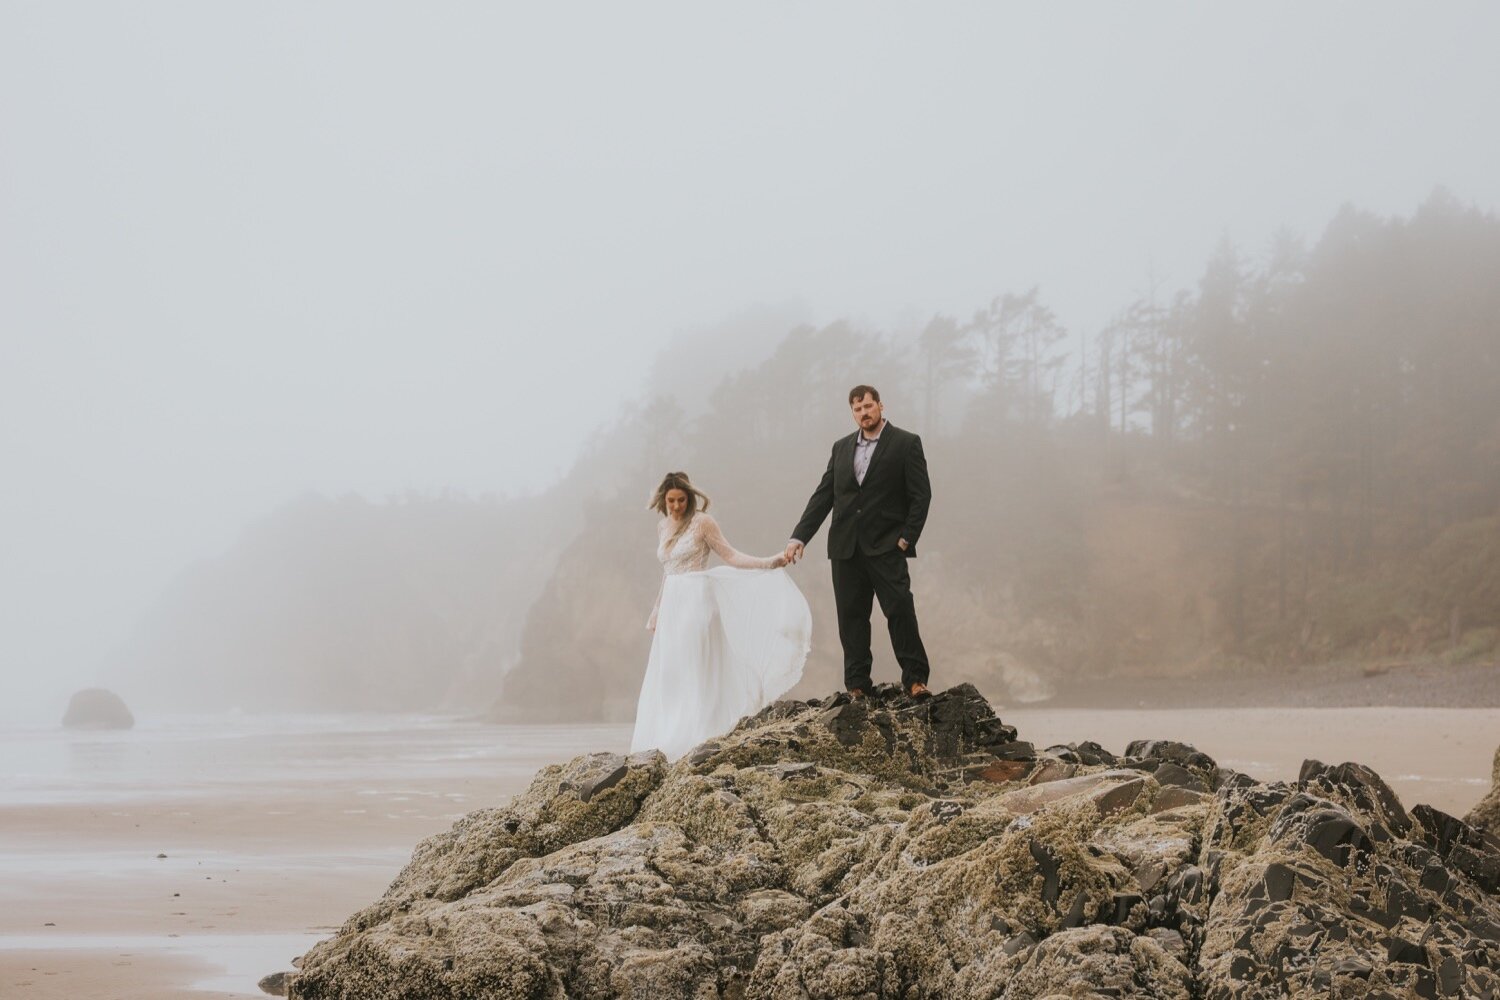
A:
(891, 505)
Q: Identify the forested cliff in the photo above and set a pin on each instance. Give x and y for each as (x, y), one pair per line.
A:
(1295, 460)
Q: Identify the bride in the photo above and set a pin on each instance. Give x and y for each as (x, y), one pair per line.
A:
(727, 641)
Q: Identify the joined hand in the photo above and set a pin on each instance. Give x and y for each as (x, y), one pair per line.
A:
(793, 552)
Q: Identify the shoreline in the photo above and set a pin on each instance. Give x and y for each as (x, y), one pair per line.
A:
(256, 855)
(1420, 684)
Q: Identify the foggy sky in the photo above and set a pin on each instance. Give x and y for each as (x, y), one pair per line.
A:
(252, 250)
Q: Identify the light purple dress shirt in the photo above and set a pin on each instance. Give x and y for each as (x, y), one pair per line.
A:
(864, 450)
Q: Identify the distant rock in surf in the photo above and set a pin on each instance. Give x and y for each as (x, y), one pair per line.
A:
(887, 848)
(97, 708)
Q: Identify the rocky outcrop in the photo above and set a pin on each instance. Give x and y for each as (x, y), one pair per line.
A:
(97, 708)
(891, 848)
(1486, 815)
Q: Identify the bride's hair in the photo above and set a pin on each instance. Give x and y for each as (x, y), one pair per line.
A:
(697, 499)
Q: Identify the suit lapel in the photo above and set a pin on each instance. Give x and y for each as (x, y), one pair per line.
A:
(887, 439)
(846, 463)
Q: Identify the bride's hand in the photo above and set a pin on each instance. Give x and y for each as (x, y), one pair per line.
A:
(779, 561)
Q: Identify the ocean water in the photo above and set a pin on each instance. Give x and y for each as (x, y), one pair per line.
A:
(186, 757)
(274, 827)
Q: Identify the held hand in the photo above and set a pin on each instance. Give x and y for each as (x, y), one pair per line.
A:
(779, 561)
(793, 551)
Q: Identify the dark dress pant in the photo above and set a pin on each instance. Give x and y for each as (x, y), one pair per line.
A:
(858, 580)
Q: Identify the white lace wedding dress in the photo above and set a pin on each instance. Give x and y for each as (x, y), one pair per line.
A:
(728, 641)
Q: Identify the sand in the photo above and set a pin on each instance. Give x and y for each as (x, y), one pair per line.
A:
(1441, 756)
(275, 830)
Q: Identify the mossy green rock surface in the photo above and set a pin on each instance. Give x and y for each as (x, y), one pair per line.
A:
(1486, 815)
(896, 849)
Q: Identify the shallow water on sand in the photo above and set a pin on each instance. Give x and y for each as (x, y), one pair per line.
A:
(276, 828)
(233, 841)
(184, 757)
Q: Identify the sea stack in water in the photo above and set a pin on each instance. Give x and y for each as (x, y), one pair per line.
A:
(886, 848)
(97, 708)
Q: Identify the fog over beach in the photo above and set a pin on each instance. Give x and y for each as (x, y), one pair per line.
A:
(341, 346)
(251, 253)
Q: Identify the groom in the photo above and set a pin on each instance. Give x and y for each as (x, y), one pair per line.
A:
(876, 486)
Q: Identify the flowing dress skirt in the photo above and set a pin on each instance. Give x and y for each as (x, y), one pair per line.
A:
(728, 642)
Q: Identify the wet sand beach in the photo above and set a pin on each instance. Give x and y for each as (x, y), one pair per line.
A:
(276, 829)
(273, 830)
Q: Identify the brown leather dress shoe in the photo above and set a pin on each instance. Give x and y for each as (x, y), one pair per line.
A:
(918, 691)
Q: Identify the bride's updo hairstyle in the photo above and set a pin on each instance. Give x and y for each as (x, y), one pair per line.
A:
(696, 499)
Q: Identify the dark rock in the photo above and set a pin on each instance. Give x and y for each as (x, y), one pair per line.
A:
(1486, 815)
(1401, 901)
(1019, 945)
(1182, 754)
(1464, 848)
(702, 752)
(97, 708)
(1051, 769)
(1170, 940)
(1322, 825)
(1015, 750)
(1371, 795)
(1357, 968)
(274, 984)
(802, 769)
(1077, 912)
(1124, 903)
(1401, 950)
(1174, 797)
(1087, 753)
(1110, 792)
(1279, 880)
(1450, 976)
(1186, 885)
(1002, 771)
(1441, 831)
(1361, 907)
(602, 783)
(1174, 775)
(1047, 864)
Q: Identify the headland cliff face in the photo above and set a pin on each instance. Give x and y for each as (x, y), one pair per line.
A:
(896, 849)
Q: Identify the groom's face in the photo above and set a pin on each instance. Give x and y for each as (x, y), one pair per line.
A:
(867, 412)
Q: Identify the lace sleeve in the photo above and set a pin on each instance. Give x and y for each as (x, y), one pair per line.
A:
(715, 540)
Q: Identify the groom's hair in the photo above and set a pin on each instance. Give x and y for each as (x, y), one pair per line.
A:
(861, 391)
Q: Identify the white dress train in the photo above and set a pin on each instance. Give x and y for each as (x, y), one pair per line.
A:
(728, 641)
